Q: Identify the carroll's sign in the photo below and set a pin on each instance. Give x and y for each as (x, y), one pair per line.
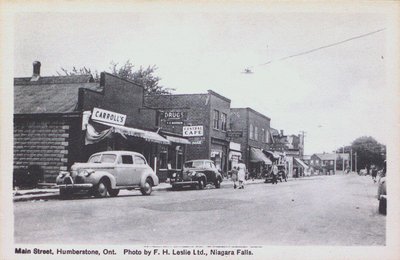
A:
(193, 130)
(106, 116)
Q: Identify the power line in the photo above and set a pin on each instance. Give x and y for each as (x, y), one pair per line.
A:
(325, 46)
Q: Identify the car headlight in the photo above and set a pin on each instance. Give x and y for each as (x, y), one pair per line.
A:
(62, 174)
(86, 172)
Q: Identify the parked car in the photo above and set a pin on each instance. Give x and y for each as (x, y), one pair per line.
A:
(382, 197)
(197, 173)
(107, 173)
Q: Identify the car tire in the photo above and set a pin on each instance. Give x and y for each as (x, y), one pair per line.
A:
(217, 183)
(201, 184)
(101, 189)
(65, 194)
(148, 187)
(113, 192)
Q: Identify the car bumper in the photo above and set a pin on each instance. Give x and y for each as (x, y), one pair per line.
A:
(78, 186)
(183, 183)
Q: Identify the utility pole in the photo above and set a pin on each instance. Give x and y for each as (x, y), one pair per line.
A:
(334, 164)
(351, 159)
(356, 162)
(343, 160)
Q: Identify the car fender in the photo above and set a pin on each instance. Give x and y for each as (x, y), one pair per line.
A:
(200, 175)
(97, 175)
(153, 177)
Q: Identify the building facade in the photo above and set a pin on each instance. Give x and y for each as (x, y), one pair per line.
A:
(201, 118)
(251, 130)
(61, 120)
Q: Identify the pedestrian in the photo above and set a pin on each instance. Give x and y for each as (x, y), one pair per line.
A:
(374, 173)
(241, 173)
(274, 174)
(234, 176)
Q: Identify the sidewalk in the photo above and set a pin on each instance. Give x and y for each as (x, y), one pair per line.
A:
(53, 193)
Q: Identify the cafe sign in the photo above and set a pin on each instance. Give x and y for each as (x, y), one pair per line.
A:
(193, 130)
(106, 116)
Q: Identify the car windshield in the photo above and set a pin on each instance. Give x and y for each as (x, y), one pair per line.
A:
(105, 158)
(193, 164)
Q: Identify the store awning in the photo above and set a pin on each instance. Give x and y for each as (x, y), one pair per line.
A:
(301, 163)
(147, 135)
(178, 140)
(271, 153)
(256, 155)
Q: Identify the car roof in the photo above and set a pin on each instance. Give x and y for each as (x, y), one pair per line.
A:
(118, 153)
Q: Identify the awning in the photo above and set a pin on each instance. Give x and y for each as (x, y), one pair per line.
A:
(147, 135)
(302, 164)
(178, 140)
(271, 153)
(256, 155)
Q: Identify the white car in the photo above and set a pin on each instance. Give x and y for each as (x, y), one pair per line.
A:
(107, 173)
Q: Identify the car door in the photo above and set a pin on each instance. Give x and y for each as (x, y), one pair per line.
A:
(140, 168)
(124, 170)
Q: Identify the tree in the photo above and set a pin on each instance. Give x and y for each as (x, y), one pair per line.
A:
(369, 152)
(142, 76)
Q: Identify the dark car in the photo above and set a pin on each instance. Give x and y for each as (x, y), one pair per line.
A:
(197, 173)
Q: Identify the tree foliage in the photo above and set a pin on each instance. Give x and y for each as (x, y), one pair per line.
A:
(369, 152)
(144, 76)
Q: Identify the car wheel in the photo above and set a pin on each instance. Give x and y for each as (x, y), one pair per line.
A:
(201, 184)
(65, 194)
(101, 189)
(113, 192)
(217, 183)
(147, 188)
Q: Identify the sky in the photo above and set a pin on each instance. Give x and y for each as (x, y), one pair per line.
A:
(334, 94)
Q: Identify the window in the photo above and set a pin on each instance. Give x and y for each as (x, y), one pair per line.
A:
(163, 160)
(139, 160)
(251, 130)
(127, 159)
(256, 133)
(267, 136)
(216, 119)
(331, 162)
(262, 135)
(223, 121)
(108, 158)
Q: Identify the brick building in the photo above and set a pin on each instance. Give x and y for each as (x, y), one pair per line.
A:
(202, 118)
(251, 130)
(53, 116)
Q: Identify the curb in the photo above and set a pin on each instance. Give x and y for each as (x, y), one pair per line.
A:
(55, 194)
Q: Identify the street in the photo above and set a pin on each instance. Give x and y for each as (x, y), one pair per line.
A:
(322, 210)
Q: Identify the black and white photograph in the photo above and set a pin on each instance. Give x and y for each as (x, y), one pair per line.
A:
(180, 130)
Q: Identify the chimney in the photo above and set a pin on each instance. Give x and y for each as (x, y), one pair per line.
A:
(281, 132)
(36, 71)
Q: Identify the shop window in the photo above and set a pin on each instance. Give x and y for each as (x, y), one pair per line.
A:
(127, 159)
(139, 160)
(331, 162)
(163, 160)
(251, 130)
(223, 121)
(216, 119)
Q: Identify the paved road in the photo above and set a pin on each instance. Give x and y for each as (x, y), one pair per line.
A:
(328, 210)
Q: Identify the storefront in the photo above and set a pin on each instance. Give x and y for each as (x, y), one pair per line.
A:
(235, 155)
(258, 161)
(219, 154)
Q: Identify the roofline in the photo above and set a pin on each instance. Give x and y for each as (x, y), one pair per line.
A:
(115, 76)
(254, 111)
(218, 95)
(68, 114)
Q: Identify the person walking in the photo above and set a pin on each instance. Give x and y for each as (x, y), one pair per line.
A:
(234, 176)
(241, 173)
(274, 174)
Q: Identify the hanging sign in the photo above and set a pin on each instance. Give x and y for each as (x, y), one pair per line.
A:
(192, 130)
(106, 116)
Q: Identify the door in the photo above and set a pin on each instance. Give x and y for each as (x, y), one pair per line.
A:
(140, 168)
(125, 170)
